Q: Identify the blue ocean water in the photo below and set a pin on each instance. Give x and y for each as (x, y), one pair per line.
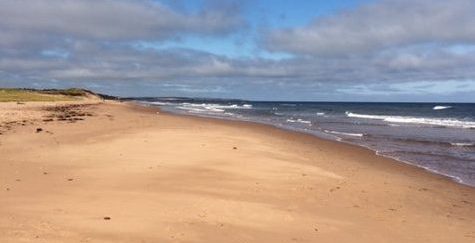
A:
(437, 137)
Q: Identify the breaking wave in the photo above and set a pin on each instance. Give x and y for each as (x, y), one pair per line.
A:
(218, 106)
(417, 120)
(299, 121)
(345, 133)
(441, 107)
(463, 144)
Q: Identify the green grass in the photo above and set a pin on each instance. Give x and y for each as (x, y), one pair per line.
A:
(66, 92)
(22, 95)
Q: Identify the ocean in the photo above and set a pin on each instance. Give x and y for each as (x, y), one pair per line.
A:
(437, 137)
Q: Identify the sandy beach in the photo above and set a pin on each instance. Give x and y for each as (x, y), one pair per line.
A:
(116, 172)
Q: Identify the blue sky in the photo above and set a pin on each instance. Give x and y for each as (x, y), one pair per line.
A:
(360, 50)
(260, 15)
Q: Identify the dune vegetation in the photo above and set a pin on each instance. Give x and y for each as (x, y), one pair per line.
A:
(30, 95)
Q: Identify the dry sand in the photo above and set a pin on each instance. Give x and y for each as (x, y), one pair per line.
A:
(128, 174)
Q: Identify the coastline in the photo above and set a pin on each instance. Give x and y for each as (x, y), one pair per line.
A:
(303, 189)
(303, 132)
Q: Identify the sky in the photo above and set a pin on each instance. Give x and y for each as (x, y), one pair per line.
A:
(320, 50)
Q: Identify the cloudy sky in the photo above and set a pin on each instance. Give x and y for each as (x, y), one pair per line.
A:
(340, 50)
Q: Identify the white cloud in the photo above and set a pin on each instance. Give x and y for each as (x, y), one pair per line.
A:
(58, 21)
(379, 25)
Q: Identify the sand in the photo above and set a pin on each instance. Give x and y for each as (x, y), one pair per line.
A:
(128, 174)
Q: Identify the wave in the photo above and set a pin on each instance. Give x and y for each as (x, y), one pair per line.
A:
(299, 121)
(198, 110)
(218, 106)
(320, 113)
(447, 122)
(441, 107)
(345, 133)
(157, 103)
(463, 144)
(421, 141)
(432, 156)
(414, 163)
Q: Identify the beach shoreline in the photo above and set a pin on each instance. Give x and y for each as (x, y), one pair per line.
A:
(302, 132)
(275, 185)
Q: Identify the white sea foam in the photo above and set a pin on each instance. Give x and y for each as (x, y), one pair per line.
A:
(441, 107)
(202, 109)
(192, 110)
(345, 133)
(214, 109)
(159, 103)
(299, 121)
(453, 177)
(206, 111)
(320, 113)
(462, 144)
(445, 122)
(210, 106)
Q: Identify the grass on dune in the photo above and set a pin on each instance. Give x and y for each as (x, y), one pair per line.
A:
(21, 95)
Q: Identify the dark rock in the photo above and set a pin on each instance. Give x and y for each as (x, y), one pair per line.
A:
(39, 129)
(107, 218)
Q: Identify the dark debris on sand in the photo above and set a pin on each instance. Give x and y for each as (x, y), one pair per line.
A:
(69, 113)
(7, 126)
